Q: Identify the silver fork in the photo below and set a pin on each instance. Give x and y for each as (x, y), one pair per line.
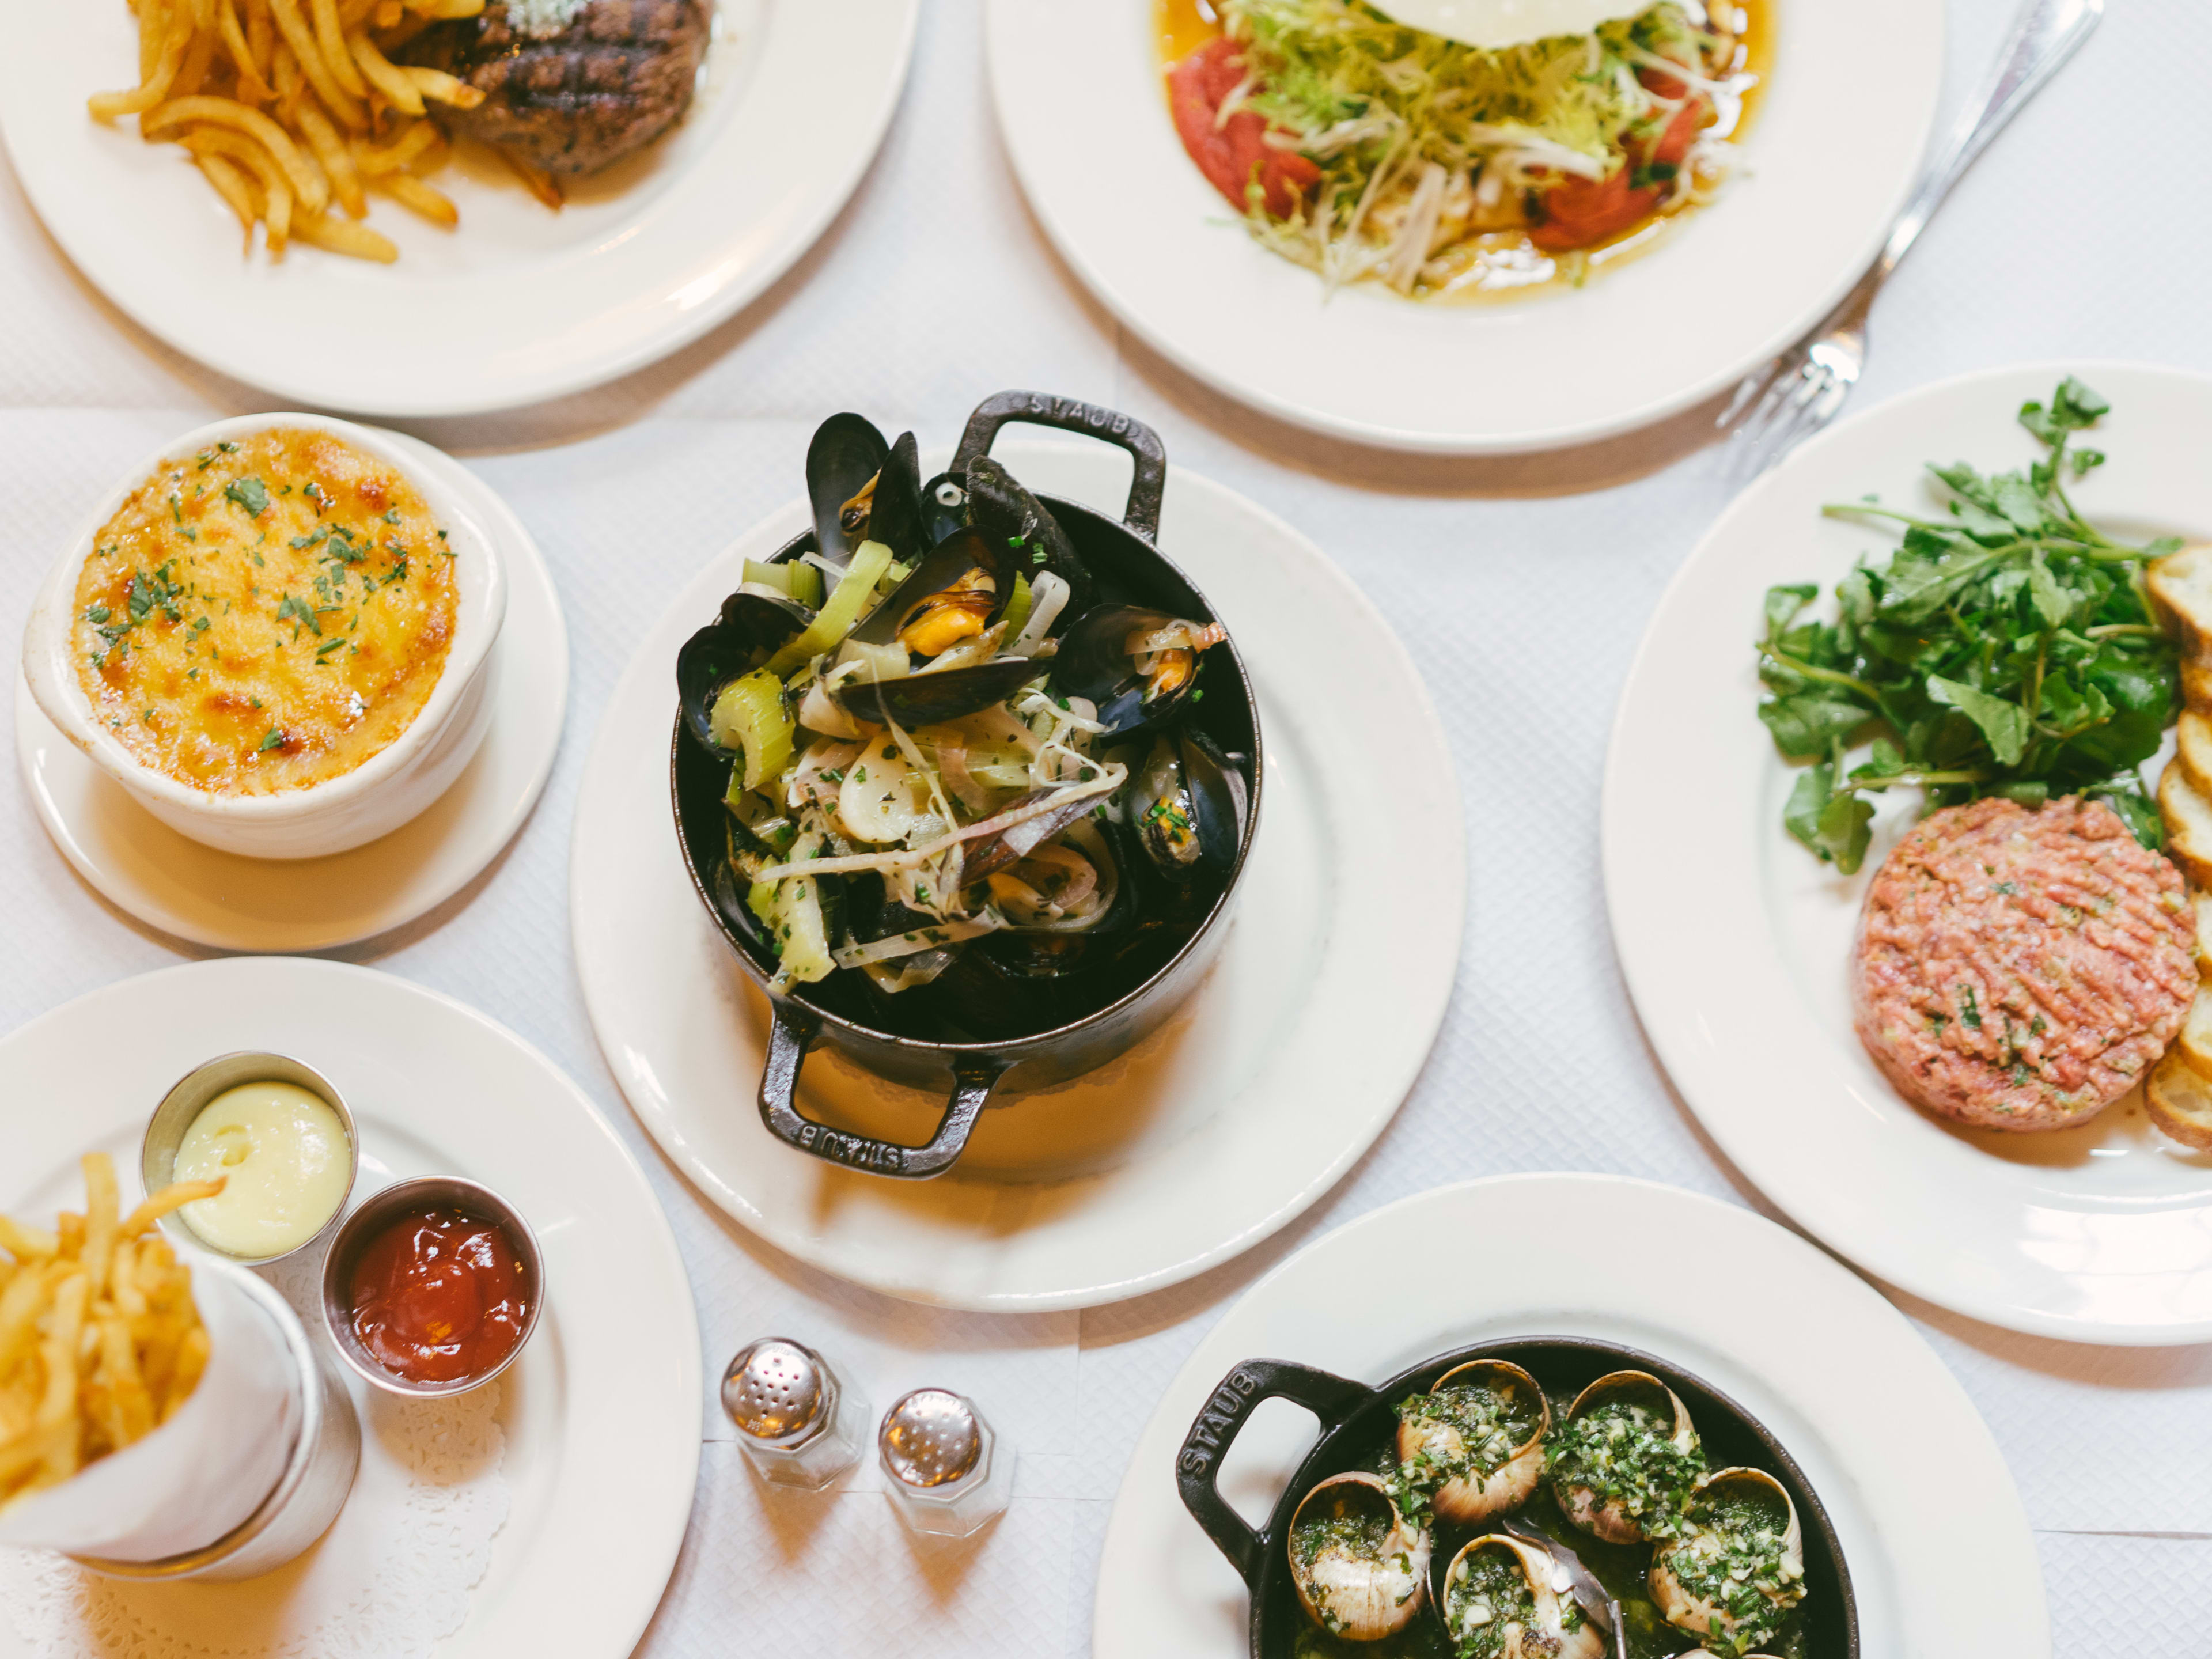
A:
(1786, 401)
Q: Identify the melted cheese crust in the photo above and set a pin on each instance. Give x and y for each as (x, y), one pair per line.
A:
(265, 614)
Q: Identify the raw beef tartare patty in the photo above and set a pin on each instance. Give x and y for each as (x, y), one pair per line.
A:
(2019, 967)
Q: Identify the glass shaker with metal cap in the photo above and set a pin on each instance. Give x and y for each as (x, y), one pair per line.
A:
(797, 1421)
(945, 1469)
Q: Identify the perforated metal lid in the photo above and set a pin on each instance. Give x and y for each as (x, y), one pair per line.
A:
(778, 1392)
(931, 1437)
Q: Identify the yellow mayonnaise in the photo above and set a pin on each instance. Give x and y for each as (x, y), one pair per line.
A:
(284, 1157)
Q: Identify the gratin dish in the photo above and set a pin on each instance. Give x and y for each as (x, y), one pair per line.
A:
(1357, 1419)
(1129, 567)
(356, 807)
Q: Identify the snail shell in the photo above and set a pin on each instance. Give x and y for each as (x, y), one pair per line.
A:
(1475, 1496)
(1360, 1570)
(1535, 1625)
(1614, 1519)
(1693, 1606)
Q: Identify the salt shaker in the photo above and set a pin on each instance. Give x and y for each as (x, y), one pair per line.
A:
(943, 1466)
(798, 1422)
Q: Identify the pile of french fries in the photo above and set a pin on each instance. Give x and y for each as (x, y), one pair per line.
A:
(294, 111)
(99, 1341)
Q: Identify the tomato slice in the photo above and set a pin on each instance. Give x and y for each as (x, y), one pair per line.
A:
(1584, 212)
(1229, 152)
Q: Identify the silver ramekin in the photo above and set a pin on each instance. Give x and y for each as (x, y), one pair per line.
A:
(374, 1215)
(189, 1096)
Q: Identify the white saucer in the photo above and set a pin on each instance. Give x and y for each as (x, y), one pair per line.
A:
(194, 892)
(1940, 1556)
(1736, 942)
(1201, 1142)
(601, 1411)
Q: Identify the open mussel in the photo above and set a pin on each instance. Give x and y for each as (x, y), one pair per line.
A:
(1187, 805)
(1736, 1570)
(944, 507)
(1505, 1597)
(1474, 1442)
(955, 595)
(754, 622)
(1011, 518)
(1625, 1458)
(1360, 1569)
(842, 463)
(1139, 667)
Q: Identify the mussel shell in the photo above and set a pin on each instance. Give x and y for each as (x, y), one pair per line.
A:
(847, 451)
(1016, 524)
(944, 565)
(944, 507)
(1218, 798)
(928, 699)
(897, 518)
(989, 854)
(752, 625)
(1093, 662)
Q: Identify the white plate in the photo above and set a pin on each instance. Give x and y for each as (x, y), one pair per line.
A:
(1201, 1141)
(1940, 1556)
(602, 1409)
(519, 304)
(194, 892)
(1837, 142)
(1736, 942)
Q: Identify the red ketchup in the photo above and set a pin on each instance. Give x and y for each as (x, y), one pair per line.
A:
(1227, 152)
(439, 1296)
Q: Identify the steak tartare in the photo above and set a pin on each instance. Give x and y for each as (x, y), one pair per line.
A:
(2021, 968)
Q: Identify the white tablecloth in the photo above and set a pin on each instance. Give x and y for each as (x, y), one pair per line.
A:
(1521, 588)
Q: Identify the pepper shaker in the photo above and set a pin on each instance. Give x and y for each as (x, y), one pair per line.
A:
(943, 1466)
(797, 1421)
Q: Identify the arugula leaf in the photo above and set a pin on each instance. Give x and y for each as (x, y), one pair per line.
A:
(1836, 827)
(2005, 724)
(1811, 722)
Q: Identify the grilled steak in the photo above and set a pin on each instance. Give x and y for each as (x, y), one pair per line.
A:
(616, 78)
(2021, 968)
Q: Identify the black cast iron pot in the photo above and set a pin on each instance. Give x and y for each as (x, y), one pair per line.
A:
(1356, 1421)
(1094, 1017)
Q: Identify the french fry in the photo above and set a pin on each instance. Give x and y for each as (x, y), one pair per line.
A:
(155, 86)
(374, 161)
(59, 1353)
(539, 182)
(174, 1196)
(388, 13)
(192, 1352)
(413, 194)
(21, 1306)
(446, 88)
(193, 76)
(398, 89)
(342, 236)
(298, 36)
(337, 159)
(26, 1244)
(102, 1205)
(251, 89)
(275, 184)
(69, 1229)
(153, 36)
(306, 182)
(444, 8)
(260, 36)
(330, 36)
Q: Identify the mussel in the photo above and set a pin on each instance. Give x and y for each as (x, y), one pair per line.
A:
(1627, 1458)
(1736, 1570)
(955, 593)
(1186, 803)
(841, 465)
(1138, 666)
(753, 623)
(930, 698)
(1475, 1442)
(1011, 519)
(944, 507)
(1360, 1569)
(1505, 1597)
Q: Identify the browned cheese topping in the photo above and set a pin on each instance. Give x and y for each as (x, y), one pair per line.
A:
(265, 614)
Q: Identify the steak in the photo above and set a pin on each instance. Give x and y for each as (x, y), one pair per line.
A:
(2022, 967)
(619, 76)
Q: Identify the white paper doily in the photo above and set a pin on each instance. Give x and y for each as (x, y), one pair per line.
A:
(390, 1579)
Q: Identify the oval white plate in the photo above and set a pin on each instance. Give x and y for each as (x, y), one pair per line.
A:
(171, 882)
(1940, 1556)
(519, 304)
(1110, 183)
(1208, 1136)
(1736, 942)
(601, 1410)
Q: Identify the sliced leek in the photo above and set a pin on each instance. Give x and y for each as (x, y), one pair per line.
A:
(749, 717)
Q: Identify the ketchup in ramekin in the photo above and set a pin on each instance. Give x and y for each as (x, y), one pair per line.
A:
(439, 1296)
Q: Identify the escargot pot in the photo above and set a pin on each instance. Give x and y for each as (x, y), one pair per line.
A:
(975, 583)
(1359, 1568)
(1522, 1580)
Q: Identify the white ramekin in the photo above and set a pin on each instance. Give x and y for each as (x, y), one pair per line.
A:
(373, 800)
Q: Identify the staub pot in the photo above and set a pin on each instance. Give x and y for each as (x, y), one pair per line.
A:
(1095, 1017)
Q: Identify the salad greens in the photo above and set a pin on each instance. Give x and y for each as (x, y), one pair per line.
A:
(2009, 649)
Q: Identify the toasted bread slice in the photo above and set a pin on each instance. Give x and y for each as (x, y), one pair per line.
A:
(2203, 903)
(2180, 1101)
(2188, 816)
(2195, 1043)
(2197, 683)
(2181, 588)
(2193, 745)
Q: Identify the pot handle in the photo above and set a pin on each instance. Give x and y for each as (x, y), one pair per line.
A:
(1142, 515)
(1328, 1396)
(791, 1036)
